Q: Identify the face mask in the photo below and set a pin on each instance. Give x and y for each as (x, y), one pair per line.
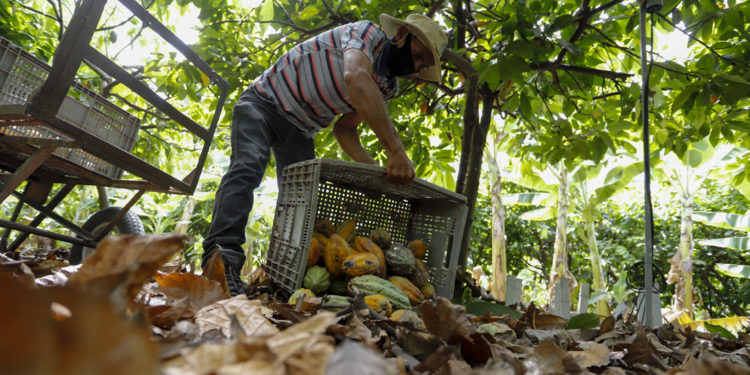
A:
(400, 60)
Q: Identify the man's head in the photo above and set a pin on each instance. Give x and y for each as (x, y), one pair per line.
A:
(420, 42)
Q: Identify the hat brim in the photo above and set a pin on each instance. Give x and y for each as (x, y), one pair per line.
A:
(390, 26)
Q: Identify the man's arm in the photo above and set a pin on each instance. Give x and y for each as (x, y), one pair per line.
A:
(345, 131)
(367, 101)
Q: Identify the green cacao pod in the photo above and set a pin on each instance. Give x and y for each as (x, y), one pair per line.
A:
(400, 260)
(371, 285)
(317, 279)
(338, 286)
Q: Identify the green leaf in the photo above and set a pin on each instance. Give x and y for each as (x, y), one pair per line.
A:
(266, 14)
(560, 23)
(723, 332)
(583, 321)
(526, 199)
(520, 48)
(525, 106)
(480, 308)
(574, 49)
(309, 12)
(682, 97)
(734, 270)
(730, 77)
(734, 18)
(737, 243)
(723, 220)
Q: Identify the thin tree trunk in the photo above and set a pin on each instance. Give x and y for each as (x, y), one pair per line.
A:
(560, 258)
(683, 259)
(103, 198)
(600, 283)
(499, 255)
(187, 212)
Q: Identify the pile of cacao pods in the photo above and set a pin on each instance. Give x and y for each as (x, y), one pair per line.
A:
(393, 277)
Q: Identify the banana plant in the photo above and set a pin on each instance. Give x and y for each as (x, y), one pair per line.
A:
(492, 155)
(701, 161)
(595, 185)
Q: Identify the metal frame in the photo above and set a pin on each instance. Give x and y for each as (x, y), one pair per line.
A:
(33, 160)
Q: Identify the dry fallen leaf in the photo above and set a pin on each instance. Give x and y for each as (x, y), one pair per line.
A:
(214, 270)
(352, 357)
(62, 330)
(714, 366)
(446, 320)
(248, 313)
(597, 355)
(641, 352)
(199, 290)
(549, 358)
(608, 325)
(121, 265)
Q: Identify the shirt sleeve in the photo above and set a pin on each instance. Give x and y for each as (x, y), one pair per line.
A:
(362, 35)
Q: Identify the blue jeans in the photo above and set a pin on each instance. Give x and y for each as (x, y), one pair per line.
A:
(258, 128)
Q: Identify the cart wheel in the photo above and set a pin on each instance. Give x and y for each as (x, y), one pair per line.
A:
(129, 224)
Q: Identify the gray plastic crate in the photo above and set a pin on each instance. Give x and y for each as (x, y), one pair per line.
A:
(21, 73)
(338, 190)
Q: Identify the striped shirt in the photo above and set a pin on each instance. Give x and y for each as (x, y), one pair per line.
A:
(308, 81)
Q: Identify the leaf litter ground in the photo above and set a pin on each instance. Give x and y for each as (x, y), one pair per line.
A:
(125, 310)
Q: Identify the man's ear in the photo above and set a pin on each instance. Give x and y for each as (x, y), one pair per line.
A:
(401, 32)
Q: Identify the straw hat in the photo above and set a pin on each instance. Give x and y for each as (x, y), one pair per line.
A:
(427, 31)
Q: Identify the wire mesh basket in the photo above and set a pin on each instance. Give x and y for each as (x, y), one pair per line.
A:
(339, 190)
(21, 74)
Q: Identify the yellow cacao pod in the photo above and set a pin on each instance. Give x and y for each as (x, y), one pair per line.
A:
(324, 227)
(361, 264)
(411, 291)
(419, 249)
(407, 316)
(381, 238)
(428, 291)
(316, 251)
(300, 293)
(335, 254)
(380, 304)
(347, 229)
(365, 245)
(322, 239)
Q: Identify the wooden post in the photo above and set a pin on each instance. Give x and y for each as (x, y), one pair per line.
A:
(562, 298)
(513, 291)
(583, 299)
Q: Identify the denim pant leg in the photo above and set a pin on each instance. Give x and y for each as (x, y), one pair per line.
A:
(295, 149)
(256, 127)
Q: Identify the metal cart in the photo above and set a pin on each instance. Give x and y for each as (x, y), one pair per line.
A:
(49, 137)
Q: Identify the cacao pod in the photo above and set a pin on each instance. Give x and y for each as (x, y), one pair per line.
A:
(361, 264)
(324, 227)
(338, 286)
(335, 253)
(298, 294)
(400, 260)
(317, 279)
(315, 252)
(421, 275)
(381, 238)
(322, 239)
(407, 316)
(347, 229)
(380, 304)
(411, 291)
(428, 291)
(335, 300)
(365, 245)
(371, 284)
(418, 248)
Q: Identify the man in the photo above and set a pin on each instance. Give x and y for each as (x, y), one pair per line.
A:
(351, 71)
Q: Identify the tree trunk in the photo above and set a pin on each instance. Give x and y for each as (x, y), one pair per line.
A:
(499, 255)
(103, 198)
(560, 258)
(683, 258)
(600, 283)
(187, 212)
(474, 172)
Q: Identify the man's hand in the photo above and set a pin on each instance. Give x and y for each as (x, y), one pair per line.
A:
(368, 102)
(399, 170)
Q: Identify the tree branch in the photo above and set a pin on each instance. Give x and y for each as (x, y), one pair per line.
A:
(434, 8)
(32, 10)
(143, 26)
(105, 28)
(138, 108)
(550, 66)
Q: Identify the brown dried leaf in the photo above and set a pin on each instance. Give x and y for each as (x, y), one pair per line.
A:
(214, 270)
(642, 352)
(199, 290)
(437, 360)
(417, 343)
(714, 366)
(121, 264)
(355, 358)
(597, 355)
(454, 367)
(608, 325)
(446, 320)
(549, 358)
(548, 321)
(517, 326)
(82, 334)
(248, 314)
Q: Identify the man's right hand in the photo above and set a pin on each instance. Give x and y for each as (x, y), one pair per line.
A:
(399, 169)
